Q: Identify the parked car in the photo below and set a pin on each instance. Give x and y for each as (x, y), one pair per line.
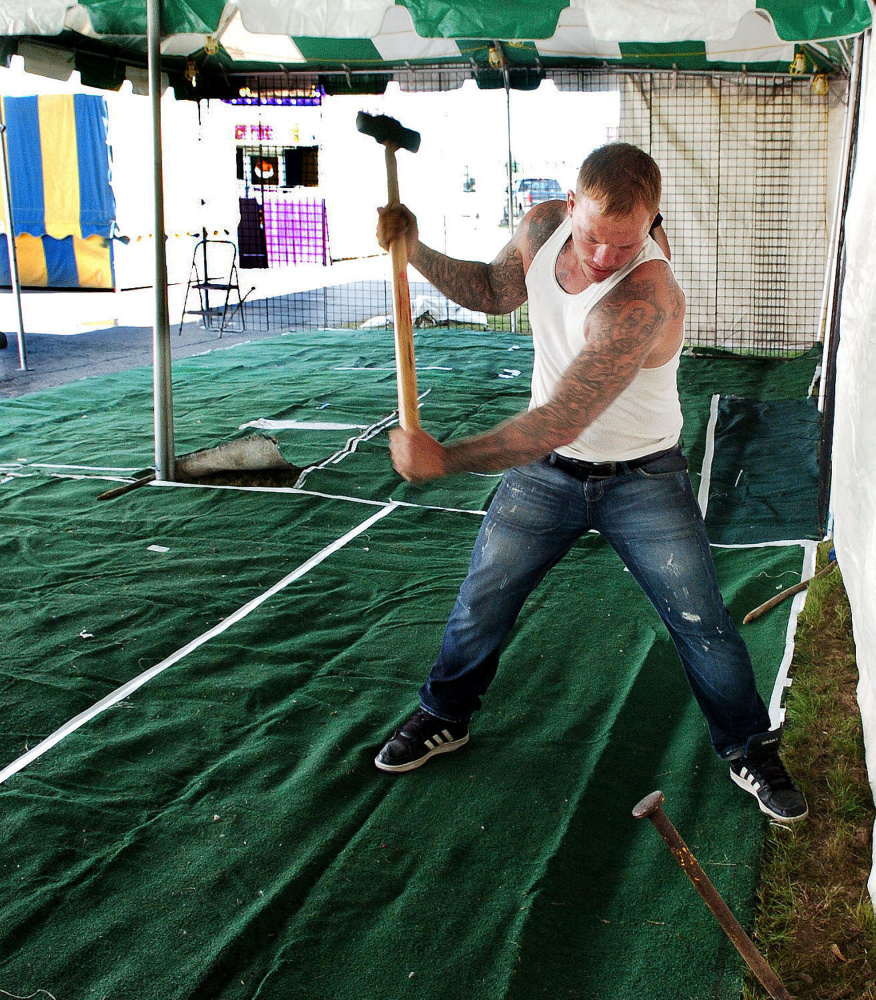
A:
(529, 191)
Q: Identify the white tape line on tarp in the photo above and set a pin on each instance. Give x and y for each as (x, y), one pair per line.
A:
(227, 347)
(267, 489)
(353, 443)
(264, 424)
(783, 681)
(419, 368)
(137, 682)
(781, 543)
(708, 457)
(79, 468)
(315, 493)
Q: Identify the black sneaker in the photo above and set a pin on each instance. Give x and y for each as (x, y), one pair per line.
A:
(765, 777)
(420, 738)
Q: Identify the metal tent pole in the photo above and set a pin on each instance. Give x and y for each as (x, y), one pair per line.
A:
(162, 383)
(10, 243)
(510, 161)
(831, 291)
(827, 388)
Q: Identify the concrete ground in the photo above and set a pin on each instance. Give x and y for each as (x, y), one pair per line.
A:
(75, 335)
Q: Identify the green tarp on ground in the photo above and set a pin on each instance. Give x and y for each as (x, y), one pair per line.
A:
(468, 381)
(764, 480)
(222, 833)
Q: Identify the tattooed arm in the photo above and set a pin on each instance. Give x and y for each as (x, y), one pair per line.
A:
(638, 324)
(496, 288)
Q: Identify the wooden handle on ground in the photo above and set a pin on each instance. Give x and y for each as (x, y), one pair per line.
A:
(405, 362)
(122, 490)
(773, 601)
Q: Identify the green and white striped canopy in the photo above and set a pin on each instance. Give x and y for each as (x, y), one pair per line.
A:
(209, 45)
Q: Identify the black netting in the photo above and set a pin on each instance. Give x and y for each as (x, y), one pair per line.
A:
(744, 161)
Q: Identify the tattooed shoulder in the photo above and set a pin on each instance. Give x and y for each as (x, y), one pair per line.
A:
(653, 282)
(540, 224)
(644, 309)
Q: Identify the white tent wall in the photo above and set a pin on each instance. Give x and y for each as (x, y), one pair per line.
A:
(854, 448)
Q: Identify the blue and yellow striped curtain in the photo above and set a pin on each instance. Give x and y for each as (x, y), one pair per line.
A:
(62, 202)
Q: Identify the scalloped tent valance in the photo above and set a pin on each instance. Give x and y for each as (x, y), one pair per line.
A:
(209, 45)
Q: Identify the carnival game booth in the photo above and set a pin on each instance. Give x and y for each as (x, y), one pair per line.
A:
(62, 198)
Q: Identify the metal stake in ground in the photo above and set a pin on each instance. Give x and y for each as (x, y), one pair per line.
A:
(392, 136)
(650, 807)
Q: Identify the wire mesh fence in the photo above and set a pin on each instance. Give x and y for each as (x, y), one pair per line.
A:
(745, 168)
(747, 211)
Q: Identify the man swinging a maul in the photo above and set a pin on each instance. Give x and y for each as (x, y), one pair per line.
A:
(598, 449)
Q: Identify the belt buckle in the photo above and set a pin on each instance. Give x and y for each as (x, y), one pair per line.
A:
(604, 470)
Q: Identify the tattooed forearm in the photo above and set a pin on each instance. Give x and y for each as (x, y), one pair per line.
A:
(464, 281)
(492, 288)
(518, 441)
(498, 287)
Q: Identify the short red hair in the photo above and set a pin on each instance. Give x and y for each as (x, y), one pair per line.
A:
(620, 177)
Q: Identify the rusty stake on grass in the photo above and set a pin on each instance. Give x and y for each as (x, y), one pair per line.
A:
(650, 806)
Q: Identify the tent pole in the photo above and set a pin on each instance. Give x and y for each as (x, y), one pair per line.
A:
(162, 383)
(10, 243)
(827, 388)
(510, 161)
(831, 291)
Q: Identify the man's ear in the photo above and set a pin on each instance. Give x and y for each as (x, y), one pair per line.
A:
(570, 201)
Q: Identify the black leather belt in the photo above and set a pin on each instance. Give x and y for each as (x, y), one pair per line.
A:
(602, 470)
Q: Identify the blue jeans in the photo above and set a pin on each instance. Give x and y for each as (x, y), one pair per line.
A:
(650, 517)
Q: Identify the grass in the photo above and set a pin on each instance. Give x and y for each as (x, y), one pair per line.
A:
(816, 925)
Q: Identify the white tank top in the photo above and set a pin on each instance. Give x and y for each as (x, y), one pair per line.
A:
(646, 416)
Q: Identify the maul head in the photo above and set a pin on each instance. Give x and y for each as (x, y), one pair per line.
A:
(387, 131)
